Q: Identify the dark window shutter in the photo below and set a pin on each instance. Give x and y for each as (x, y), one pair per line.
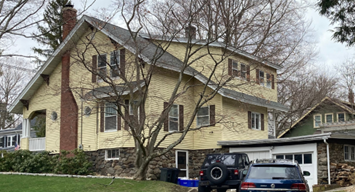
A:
(2, 141)
(230, 69)
(102, 117)
(249, 119)
(126, 113)
(123, 62)
(212, 115)
(5, 141)
(94, 68)
(257, 76)
(272, 82)
(248, 73)
(141, 113)
(181, 117)
(19, 139)
(166, 122)
(262, 122)
(118, 120)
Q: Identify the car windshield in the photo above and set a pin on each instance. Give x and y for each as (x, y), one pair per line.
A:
(273, 172)
(228, 160)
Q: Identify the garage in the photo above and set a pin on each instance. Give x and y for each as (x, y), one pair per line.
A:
(303, 150)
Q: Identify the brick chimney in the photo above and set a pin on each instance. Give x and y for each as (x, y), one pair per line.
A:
(69, 19)
(351, 96)
(190, 32)
(68, 105)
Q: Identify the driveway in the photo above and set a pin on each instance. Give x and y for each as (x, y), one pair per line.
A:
(343, 189)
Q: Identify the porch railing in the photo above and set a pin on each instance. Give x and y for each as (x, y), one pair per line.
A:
(37, 144)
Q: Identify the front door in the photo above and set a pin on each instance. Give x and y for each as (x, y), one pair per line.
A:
(182, 160)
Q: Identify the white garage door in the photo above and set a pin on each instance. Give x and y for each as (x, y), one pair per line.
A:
(258, 155)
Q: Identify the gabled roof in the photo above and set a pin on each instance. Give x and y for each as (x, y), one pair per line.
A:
(337, 102)
(147, 51)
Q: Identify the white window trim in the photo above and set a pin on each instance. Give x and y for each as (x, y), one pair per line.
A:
(349, 153)
(325, 116)
(98, 67)
(338, 116)
(116, 158)
(262, 78)
(119, 64)
(255, 113)
(209, 118)
(113, 130)
(234, 69)
(9, 136)
(267, 79)
(178, 121)
(241, 71)
(314, 120)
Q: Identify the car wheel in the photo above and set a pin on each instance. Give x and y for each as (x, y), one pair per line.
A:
(217, 173)
(204, 189)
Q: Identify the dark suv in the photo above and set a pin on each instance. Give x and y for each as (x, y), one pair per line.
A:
(222, 171)
(273, 175)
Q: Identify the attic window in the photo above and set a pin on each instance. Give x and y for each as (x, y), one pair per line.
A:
(317, 120)
(341, 117)
(243, 71)
(235, 68)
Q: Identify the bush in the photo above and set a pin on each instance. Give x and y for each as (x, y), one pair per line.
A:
(74, 162)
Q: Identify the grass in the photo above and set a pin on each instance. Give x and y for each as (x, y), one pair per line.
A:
(21, 183)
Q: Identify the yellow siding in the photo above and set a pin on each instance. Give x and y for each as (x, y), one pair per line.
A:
(24, 144)
(47, 98)
(205, 64)
(236, 126)
(162, 84)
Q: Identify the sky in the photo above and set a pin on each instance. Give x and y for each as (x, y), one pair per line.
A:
(330, 53)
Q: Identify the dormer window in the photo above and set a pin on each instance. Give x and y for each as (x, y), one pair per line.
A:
(341, 117)
(317, 120)
(235, 68)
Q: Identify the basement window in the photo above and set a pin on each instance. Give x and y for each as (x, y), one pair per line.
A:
(112, 154)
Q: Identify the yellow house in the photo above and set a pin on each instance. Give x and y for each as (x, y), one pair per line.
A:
(69, 90)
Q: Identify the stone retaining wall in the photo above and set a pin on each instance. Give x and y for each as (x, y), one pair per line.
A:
(336, 155)
(124, 167)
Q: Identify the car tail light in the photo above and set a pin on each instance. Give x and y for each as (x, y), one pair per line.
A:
(247, 185)
(299, 186)
(236, 172)
(201, 173)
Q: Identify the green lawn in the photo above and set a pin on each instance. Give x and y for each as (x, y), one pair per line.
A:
(24, 183)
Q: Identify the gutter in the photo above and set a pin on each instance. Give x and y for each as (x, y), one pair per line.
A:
(328, 161)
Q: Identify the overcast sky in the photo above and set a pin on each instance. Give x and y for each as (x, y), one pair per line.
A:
(330, 53)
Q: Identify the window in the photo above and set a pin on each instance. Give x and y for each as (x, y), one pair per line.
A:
(115, 63)
(203, 116)
(341, 117)
(300, 158)
(261, 78)
(329, 118)
(235, 68)
(243, 71)
(268, 80)
(11, 141)
(112, 154)
(349, 152)
(131, 108)
(1, 142)
(255, 121)
(317, 120)
(174, 118)
(110, 117)
(102, 66)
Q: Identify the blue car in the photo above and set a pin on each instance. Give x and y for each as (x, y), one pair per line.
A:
(271, 175)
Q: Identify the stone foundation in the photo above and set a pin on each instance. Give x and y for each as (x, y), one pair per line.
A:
(336, 155)
(124, 167)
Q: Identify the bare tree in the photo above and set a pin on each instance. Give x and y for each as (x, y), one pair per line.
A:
(301, 92)
(12, 82)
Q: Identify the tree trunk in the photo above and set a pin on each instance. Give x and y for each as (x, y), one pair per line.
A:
(141, 173)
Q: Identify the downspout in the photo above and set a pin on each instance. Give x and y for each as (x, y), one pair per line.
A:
(328, 161)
